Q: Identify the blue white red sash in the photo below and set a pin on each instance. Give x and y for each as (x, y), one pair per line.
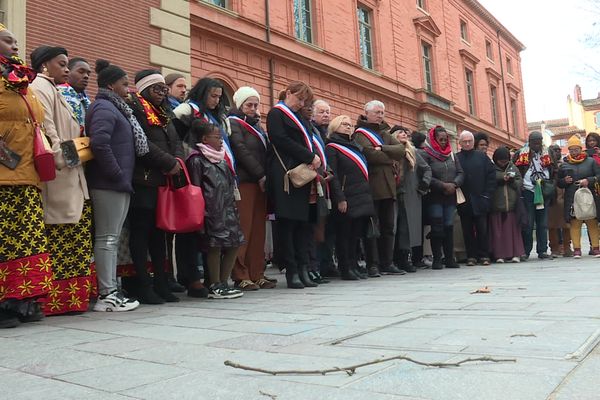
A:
(229, 158)
(355, 156)
(252, 130)
(290, 114)
(373, 137)
(320, 146)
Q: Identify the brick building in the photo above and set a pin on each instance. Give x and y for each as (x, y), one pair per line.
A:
(447, 62)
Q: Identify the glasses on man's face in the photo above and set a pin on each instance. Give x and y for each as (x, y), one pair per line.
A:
(158, 89)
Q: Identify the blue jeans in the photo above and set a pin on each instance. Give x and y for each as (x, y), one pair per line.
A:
(540, 218)
(443, 212)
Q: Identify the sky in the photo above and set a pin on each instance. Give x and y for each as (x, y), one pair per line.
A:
(556, 57)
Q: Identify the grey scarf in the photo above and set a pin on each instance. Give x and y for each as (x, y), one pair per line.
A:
(140, 140)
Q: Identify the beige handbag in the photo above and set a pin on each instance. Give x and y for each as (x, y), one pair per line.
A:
(300, 175)
(460, 196)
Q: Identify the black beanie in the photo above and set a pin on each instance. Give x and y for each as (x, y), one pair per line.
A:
(107, 73)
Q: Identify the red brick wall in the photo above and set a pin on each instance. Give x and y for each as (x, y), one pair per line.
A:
(234, 48)
(116, 30)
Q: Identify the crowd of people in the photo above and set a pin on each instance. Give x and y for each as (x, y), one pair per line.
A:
(319, 197)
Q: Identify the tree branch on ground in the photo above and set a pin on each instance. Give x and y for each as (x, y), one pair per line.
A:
(351, 370)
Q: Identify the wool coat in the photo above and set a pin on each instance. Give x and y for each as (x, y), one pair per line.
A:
(382, 163)
(64, 196)
(249, 151)
(350, 184)
(443, 171)
(479, 182)
(287, 138)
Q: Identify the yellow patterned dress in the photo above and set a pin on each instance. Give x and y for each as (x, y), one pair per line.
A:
(25, 267)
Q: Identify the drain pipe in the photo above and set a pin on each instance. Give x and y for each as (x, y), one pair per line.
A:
(271, 62)
(500, 61)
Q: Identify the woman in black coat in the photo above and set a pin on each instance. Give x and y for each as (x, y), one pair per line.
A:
(294, 208)
(153, 113)
(351, 194)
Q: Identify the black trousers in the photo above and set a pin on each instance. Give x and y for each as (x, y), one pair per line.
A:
(293, 240)
(475, 234)
(380, 251)
(186, 254)
(144, 238)
(348, 233)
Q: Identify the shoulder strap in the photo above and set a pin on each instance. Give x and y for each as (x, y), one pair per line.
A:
(33, 119)
(279, 158)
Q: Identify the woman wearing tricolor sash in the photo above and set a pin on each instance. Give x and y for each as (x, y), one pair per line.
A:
(249, 144)
(351, 194)
(292, 206)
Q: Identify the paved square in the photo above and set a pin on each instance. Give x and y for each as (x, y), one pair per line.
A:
(546, 315)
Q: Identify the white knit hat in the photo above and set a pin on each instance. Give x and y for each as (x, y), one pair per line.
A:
(242, 94)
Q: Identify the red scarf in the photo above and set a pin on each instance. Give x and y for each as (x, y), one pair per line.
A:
(576, 160)
(15, 74)
(433, 147)
(154, 116)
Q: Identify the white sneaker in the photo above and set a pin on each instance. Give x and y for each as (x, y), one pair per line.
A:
(116, 302)
(500, 261)
(515, 260)
(220, 291)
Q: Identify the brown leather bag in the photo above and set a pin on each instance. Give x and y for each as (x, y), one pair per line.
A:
(300, 175)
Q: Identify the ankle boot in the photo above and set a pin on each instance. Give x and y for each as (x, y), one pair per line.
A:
(449, 247)
(404, 262)
(161, 288)
(347, 274)
(304, 278)
(293, 280)
(147, 295)
(360, 273)
(436, 249)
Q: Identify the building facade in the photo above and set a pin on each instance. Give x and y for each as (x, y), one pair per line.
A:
(446, 62)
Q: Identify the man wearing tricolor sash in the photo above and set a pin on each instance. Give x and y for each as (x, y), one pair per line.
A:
(382, 152)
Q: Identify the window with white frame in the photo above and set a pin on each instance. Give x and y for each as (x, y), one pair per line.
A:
(427, 65)
(470, 86)
(365, 32)
(464, 31)
(494, 103)
(303, 20)
(514, 112)
(489, 51)
(220, 3)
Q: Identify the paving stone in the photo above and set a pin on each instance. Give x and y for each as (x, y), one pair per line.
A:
(125, 375)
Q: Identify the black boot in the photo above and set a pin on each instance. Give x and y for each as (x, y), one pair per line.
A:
(436, 249)
(358, 271)
(293, 279)
(161, 288)
(304, 278)
(142, 287)
(404, 262)
(449, 260)
(347, 274)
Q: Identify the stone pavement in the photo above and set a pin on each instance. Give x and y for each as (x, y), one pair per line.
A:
(546, 315)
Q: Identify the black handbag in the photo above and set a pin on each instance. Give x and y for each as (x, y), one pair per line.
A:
(548, 189)
(372, 229)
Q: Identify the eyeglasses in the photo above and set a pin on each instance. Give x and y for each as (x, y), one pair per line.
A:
(347, 125)
(159, 89)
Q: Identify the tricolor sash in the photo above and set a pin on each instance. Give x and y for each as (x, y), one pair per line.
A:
(355, 156)
(290, 114)
(373, 137)
(320, 146)
(252, 130)
(229, 158)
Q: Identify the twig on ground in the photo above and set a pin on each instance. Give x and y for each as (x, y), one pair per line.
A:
(351, 370)
(524, 335)
(272, 396)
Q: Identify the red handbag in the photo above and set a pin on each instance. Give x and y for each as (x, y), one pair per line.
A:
(43, 158)
(180, 210)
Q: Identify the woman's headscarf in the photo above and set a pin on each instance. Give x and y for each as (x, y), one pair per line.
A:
(433, 148)
(501, 153)
(44, 53)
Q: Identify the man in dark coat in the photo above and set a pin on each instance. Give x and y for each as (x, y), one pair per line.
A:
(382, 152)
(478, 188)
